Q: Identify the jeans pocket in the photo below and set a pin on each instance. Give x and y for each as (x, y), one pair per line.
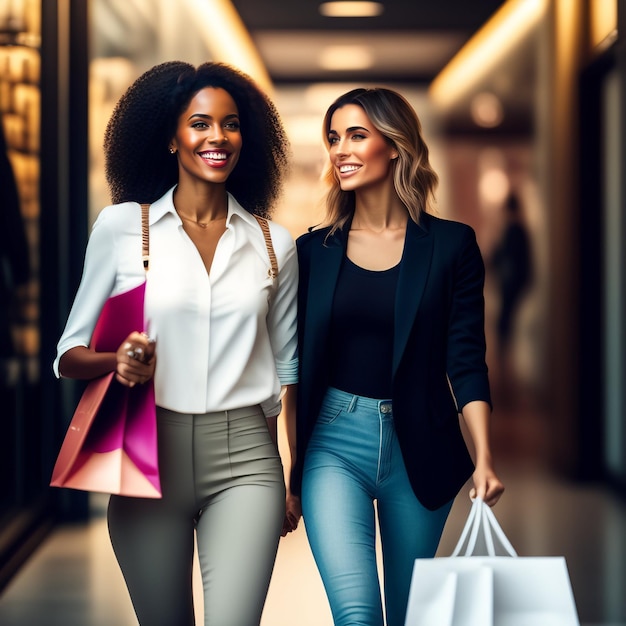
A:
(329, 414)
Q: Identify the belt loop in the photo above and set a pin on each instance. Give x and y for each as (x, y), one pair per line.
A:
(352, 404)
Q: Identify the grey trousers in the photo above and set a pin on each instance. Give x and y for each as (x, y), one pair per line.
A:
(222, 477)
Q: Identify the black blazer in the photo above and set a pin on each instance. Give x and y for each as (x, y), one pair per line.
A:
(438, 354)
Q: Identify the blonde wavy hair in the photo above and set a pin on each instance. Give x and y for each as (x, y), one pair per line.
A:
(414, 179)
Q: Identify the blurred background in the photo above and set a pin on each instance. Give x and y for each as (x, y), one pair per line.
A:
(523, 106)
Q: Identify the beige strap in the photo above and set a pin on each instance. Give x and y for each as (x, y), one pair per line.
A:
(145, 235)
(265, 227)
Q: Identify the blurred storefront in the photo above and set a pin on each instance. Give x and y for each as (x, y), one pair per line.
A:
(43, 104)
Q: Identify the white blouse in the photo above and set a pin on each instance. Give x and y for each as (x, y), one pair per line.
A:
(225, 339)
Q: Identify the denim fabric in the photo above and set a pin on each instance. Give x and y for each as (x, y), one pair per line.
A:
(354, 459)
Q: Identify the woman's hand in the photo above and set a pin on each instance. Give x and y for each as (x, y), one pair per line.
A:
(293, 513)
(136, 360)
(487, 485)
(293, 510)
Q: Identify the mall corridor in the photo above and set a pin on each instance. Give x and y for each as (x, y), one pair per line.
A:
(522, 104)
(73, 580)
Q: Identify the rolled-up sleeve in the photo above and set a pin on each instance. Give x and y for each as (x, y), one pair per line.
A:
(282, 316)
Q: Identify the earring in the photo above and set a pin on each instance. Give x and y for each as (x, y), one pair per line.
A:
(172, 151)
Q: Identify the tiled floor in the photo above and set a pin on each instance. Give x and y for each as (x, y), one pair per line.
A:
(73, 579)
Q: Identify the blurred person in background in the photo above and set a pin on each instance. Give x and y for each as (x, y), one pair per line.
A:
(511, 264)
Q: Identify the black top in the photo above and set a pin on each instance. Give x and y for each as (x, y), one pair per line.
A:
(438, 363)
(361, 330)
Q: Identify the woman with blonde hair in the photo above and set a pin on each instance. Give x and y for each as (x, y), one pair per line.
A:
(392, 349)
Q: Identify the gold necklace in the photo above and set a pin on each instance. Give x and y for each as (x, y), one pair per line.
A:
(198, 223)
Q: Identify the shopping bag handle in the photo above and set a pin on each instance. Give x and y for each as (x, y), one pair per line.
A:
(482, 525)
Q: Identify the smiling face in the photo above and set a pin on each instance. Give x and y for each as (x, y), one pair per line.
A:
(359, 153)
(208, 137)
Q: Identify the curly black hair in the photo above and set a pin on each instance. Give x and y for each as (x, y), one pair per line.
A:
(138, 163)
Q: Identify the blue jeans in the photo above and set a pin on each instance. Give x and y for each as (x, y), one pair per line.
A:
(354, 458)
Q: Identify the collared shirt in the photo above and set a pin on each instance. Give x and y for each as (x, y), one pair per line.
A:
(225, 339)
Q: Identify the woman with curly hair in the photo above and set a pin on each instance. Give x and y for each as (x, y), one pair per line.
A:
(206, 148)
(392, 348)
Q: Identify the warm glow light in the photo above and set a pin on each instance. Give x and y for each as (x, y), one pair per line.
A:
(304, 130)
(351, 8)
(227, 38)
(504, 30)
(345, 58)
(603, 21)
(486, 110)
(493, 186)
(493, 181)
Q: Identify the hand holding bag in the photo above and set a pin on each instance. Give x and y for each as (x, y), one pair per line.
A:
(111, 443)
(485, 583)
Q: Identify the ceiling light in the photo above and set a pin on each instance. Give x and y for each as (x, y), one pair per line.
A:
(510, 25)
(493, 186)
(351, 8)
(493, 181)
(346, 58)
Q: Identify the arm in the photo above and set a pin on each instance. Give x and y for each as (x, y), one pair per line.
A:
(98, 282)
(293, 508)
(84, 363)
(282, 319)
(282, 326)
(467, 369)
(487, 485)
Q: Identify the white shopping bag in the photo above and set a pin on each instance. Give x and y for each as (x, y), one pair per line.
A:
(485, 583)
